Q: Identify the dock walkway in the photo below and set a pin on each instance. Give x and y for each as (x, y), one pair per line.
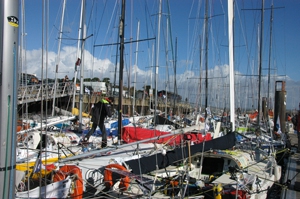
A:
(292, 177)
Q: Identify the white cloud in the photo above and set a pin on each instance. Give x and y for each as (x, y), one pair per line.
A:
(187, 83)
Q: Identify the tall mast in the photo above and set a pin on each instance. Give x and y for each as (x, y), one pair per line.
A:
(151, 76)
(121, 35)
(175, 66)
(9, 35)
(58, 52)
(83, 37)
(116, 63)
(260, 60)
(270, 49)
(78, 62)
(231, 61)
(199, 105)
(135, 68)
(206, 55)
(167, 71)
(157, 57)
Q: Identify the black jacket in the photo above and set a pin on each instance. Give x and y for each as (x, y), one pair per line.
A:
(100, 111)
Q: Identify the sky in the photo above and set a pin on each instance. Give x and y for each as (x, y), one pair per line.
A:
(179, 40)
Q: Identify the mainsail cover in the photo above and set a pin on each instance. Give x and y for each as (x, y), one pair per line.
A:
(134, 134)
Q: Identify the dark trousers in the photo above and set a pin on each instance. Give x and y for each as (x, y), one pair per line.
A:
(103, 131)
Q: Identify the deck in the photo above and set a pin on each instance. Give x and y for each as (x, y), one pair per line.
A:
(291, 177)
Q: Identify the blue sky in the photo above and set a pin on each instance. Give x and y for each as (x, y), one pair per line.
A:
(186, 18)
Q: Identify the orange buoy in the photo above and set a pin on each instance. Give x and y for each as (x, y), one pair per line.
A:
(70, 170)
(124, 183)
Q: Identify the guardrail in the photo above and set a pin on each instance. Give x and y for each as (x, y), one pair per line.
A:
(39, 92)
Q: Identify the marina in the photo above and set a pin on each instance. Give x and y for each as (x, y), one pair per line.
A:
(120, 110)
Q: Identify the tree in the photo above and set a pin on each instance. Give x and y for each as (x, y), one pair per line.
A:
(95, 79)
(77, 80)
(106, 80)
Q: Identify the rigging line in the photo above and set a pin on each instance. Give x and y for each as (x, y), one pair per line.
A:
(90, 17)
(151, 24)
(115, 18)
(194, 36)
(140, 40)
(101, 18)
(54, 28)
(243, 34)
(110, 21)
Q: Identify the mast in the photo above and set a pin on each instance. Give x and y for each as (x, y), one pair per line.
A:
(78, 62)
(121, 35)
(135, 70)
(167, 72)
(9, 35)
(269, 72)
(157, 57)
(151, 82)
(231, 62)
(115, 73)
(58, 53)
(83, 37)
(270, 49)
(175, 66)
(206, 55)
(200, 79)
(260, 61)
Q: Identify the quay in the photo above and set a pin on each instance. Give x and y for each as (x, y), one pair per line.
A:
(34, 95)
(291, 178)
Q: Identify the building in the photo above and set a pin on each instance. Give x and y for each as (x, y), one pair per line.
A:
(28, 79)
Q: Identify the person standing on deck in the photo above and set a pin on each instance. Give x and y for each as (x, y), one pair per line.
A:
(296, 123)
(100, 111)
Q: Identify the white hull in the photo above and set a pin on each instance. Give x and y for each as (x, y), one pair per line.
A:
(54, 190)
